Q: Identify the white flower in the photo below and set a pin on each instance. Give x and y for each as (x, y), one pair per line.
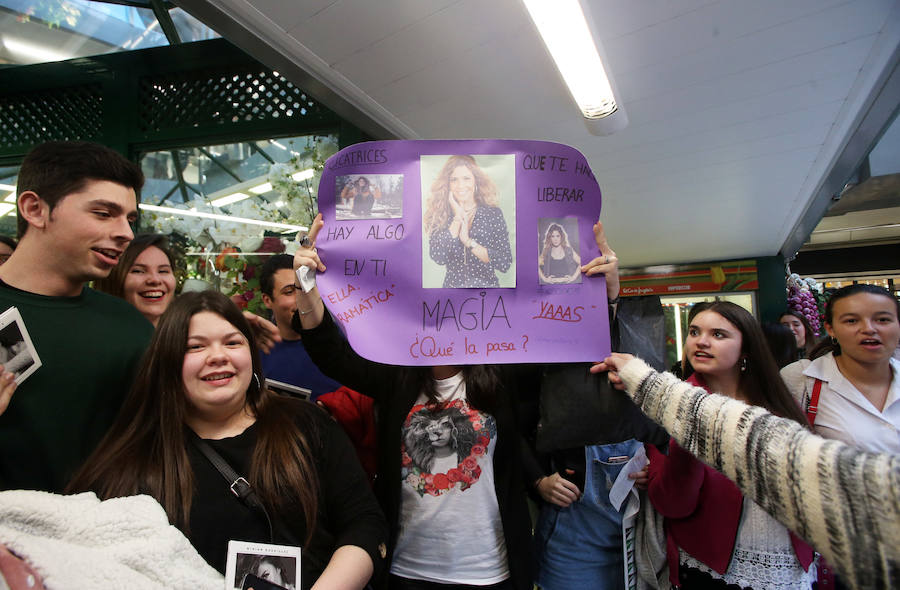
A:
(250, 243)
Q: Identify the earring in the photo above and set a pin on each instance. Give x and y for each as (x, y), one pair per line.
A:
(256, 379)
(834, 341)
(744, 364)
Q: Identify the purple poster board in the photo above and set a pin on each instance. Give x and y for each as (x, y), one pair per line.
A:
(463, 252)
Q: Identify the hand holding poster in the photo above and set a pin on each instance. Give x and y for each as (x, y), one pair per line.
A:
(463, 252)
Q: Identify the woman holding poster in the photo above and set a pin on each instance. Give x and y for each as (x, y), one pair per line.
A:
(451, 477)
(465, 226)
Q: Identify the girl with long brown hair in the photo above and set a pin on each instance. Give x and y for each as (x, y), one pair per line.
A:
(465, 226)
(801, 329)
(201, 378)
(716, 537)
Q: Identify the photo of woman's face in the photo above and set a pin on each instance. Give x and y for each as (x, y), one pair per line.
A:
(268, 571)
(555, 238)
(462, 184)
(439, 432)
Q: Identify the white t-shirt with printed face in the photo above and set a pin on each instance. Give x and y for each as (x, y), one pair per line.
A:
(450, 529)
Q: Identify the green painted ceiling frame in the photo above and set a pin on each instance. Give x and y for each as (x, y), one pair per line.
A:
(187, 95)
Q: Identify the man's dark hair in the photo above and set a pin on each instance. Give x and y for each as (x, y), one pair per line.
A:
(11, 242)
(273, 265)
(59, 168)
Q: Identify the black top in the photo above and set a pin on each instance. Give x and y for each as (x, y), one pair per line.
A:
(348, 513)
(393, 391)
(90, 346)
(362, 204)
(562, 267)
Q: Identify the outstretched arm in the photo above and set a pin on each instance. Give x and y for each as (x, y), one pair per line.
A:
(844, 501)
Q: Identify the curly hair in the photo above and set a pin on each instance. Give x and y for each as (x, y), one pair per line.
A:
(438, 211)
(420, 449)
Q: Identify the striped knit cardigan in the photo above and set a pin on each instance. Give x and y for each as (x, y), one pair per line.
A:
(845, 502)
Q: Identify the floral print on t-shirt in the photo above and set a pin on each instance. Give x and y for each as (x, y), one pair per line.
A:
(442, 445)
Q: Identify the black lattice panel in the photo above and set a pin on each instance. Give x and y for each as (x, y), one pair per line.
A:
(73, 113)
(195, 99)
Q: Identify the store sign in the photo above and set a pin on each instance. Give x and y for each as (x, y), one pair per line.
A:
(738, 275)
(463, 252)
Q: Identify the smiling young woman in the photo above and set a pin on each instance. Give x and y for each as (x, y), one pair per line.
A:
(858, 398)
(201, 378)
(144, 276)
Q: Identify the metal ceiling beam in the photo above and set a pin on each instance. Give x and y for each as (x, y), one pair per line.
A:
(883, 107)
(161, 12)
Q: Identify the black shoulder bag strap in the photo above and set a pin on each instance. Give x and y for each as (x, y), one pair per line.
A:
(238, 485)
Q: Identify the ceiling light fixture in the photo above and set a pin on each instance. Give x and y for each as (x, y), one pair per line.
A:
(229, 199)
(7, 187)
(216, 216)
(303, 174)
(6, 208)
(565, 31)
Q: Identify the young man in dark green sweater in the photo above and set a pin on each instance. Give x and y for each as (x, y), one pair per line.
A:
(76, 204)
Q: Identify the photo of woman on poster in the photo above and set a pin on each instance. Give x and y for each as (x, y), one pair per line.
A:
(362, 195)
(465, 225)
(558, 262)
(372, 196)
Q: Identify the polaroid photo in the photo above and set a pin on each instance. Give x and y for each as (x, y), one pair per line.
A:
(262, 566)
(287, 389)
(17, 352)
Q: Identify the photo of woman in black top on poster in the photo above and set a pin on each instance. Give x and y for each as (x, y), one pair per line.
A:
(559, 262)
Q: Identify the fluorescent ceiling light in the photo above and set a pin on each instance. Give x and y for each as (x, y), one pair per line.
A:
(235, 254)
(10, 198)
(7, 187)
(6, 208)
(229, 199)
(238, 192)
(229, 218)
(303, 174)
(568, 38)
(37, 53)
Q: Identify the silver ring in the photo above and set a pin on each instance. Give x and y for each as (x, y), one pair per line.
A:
(607, 259)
